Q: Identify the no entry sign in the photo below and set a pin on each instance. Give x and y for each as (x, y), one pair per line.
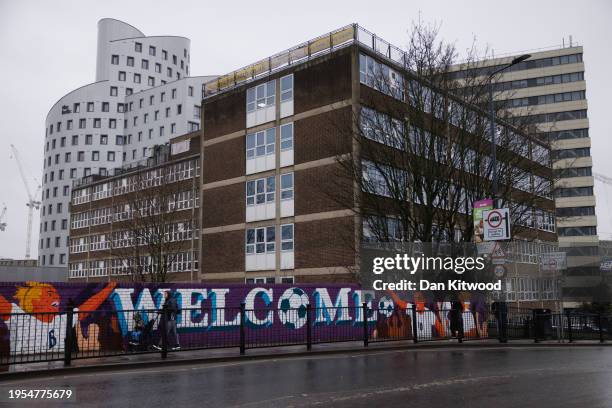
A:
(496, 224)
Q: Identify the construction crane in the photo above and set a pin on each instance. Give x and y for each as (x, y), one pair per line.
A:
(2, 223)
(32, 204)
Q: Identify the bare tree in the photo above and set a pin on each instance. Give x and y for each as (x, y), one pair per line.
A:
(422, 147)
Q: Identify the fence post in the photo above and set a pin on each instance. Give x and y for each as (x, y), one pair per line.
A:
(308, 327)
(415, 336)
(364, 305)
(601, 338)
(164, 334)
(68, 341)
(242, 334)
(569, 327)
(535, 326)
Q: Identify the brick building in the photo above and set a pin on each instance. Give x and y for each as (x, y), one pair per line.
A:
(105, 241)
(271, 143)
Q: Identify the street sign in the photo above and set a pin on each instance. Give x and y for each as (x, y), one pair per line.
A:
(479, 207)
(553, 261)
(499, 271)
(496, 224)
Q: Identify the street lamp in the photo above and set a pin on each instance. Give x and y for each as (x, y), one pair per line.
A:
(492, 123)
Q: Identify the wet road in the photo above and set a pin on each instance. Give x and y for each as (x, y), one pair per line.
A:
(510, 377)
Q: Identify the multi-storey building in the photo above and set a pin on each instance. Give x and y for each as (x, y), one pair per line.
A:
(271, 144)
(142, 97)
(119, 222)
(550, 89)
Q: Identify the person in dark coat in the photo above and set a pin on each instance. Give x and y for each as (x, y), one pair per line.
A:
(456, 320)
(170, 313)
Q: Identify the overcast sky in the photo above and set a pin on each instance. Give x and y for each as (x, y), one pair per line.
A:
(48, 48)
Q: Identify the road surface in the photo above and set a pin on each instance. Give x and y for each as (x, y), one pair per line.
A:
(455, 377)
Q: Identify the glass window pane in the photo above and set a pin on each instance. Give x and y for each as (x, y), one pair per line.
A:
(287, 232)
(271, 184)
(250, 187)
(251, 95)
(250, 141)
(250, 237)
(260, 185)
(260, 138)
(270, 234)
(287, 180)
(270, 135)
(260, 235)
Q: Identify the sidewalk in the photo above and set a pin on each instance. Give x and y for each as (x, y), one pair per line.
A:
(135, 361)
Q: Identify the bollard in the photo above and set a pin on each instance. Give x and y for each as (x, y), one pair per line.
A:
(242, 334)
(365, 324)
(69, 340)
(308, 327)
(569, 328)
(414, 324)
(535, 327)
(601, 337)
(164, 334)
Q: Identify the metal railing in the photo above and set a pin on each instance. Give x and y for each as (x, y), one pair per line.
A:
(77, 334)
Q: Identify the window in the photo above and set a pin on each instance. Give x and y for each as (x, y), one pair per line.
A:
(90, 107)
(103, 139)
(380, 77)
(162, 96)
(115, 59)
(95, 155)
(168, 112)
(105, 106)
(129, 91)
(112, 123)
(576, 231)
(196, 112)
(151, 81)
(157, 67)
(287, 237)
(261, 96)
(69, 124)
(144, 64)
(130, 61)
(173, 128)
(138, 47)
(174, 93)
(88, 139)
(286, 84)
(574, 172)
(165, 55)
(260, 143)
(575, 211)
(151, 100)
(571, 153)
(286, 186)
(260, 240)
(574, 192)
(260, 191)
(113, 91)
(286, 142)
(81, 156)
(156, 115)
(161, 131)
(119, 140)
(76, 108)
(179, 109)
(151, 50)
(110, 156)
(73, 174)
(169, 72)
(86, 171)
(190, 91)
(82, 123)
(63, 141)
(97, 123)
(122, 75)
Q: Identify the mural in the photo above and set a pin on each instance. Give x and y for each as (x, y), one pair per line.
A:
(123, 316)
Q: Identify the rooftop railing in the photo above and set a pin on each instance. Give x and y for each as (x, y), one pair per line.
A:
(303, 52)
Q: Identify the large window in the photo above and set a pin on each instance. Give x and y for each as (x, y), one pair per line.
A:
(286, 139)
(260, 240)
(380, 77)
(260, 191)
(286, 84)
(571, 153)
(575, 211)
(261, 96)
(574, 192)
(260, 143)
(286, 191)
(576, 231)
(287, 237)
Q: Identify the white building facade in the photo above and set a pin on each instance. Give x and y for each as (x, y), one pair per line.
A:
(142, 97)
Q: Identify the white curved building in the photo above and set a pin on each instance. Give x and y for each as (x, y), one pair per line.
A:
(142, 97)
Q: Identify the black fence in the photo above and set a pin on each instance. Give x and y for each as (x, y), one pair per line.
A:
(42, 337)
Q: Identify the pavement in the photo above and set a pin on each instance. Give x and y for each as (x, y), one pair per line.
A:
(466, 375)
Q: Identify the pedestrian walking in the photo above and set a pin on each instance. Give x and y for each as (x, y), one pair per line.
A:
(169, 313)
